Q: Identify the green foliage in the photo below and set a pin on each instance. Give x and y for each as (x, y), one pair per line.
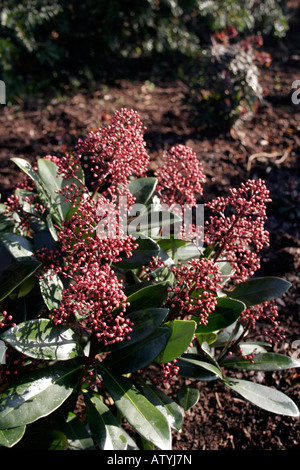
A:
(49, 44)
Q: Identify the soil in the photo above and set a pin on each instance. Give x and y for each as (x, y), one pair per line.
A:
(266, 145)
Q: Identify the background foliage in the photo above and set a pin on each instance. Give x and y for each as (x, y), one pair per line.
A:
(45, 43)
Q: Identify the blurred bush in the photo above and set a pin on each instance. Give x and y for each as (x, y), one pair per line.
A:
(223, 83)
(44, 42)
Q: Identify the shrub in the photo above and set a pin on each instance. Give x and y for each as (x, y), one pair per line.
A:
(106, 295)
(223, 82)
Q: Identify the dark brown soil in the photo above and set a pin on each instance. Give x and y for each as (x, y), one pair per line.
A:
(220, 420)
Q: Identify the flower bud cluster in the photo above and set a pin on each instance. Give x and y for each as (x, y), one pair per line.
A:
(266, 312)
(116, 151)
(237, 226)
(195, 291)
(180, 176)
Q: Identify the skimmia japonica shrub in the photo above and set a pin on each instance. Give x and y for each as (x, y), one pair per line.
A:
(113, 287)
(223, 83)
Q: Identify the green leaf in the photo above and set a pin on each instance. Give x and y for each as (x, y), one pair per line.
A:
(45, 439)
(26, 167)
(197, 367)
(145, 322)
(262, 361)
(258, 290)
(139, 355)
(41, 339)
(227, 311)
(75, 431)
(168, 407)
(44, 239)
(12, 276)
(167, 244)
(51, 288)
(26, 287)
(105, 428)
(38, 394)
(155, 223)
(5, 256)
(10, 437)
(208, 338)
(253, 347)
(140, 413)
(264, 397)
(45, 197)
(141, 256)
(182, 333)
(51, 227)
(142, 189)
(53, 182)
(188, 397)
(19, 247)
(152, 296)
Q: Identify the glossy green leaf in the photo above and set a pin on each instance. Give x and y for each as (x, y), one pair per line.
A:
(163, 403)
(38, 394)
(48, 172)
(194, 366)
(46, 439)
(145, 322)
(51, 288)
(26, 287)
(141, 256)
(45, 197)
(167, 244)
(12, 276)
(51, 227)
(258, 290)
(246, 348)
(104, 427)
(140, 413)
(41, 339)
(142, 189)
(44, 239)
(209, 338)
(76, 432)
(152, 296)
(188, 397)
(55, 182)
(10, 437)
(155, 223)
(138, 355)
(5, 256)
(26, 167)
(19, 247)
(182, 333)
(264, 397)
(227, 311)
(267, 361)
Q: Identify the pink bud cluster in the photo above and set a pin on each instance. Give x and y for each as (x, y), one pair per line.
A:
(266, 312)
(116, 151)
(68, 164)
(180, 176)
(94, 290)
(91, 299)
(167, 373)
(237, 226)
(195, 291)
(6, 320)
(93, 234)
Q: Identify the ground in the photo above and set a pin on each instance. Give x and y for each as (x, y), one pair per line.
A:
(267, 146)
